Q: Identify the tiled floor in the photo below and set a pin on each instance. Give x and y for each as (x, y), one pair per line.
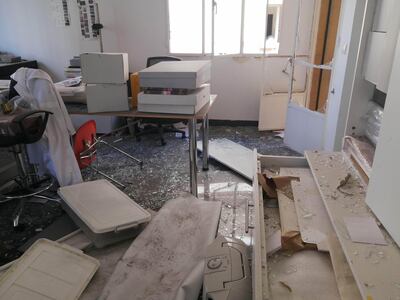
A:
(164, 176)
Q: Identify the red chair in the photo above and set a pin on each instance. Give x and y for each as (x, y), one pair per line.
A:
(85, 142)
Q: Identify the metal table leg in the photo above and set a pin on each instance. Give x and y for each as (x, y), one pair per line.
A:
(193, 156)
(205, 142)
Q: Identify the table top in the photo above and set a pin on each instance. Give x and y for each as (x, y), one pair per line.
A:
(81, 109)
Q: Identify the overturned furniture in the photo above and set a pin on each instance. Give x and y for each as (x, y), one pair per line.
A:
(166, 261)
(323, 212)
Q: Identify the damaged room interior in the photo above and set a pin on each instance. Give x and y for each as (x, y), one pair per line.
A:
(199, 149)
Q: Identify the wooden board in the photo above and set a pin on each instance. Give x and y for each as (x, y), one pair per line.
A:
(320, 31)
(231, 154)
(313, 219)
(329, 53)
(347, 286)
(273, 108)
(323, 52)
(287, 210)
(376, 268)
(259, 261)
(316, 228)
(306, 274)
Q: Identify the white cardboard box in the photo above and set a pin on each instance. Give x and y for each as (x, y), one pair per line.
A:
(192, 98)
(176, 74)
(173, 109)
(107, 97)
(104, 67)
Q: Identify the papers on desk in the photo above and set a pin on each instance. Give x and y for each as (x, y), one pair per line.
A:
(4, 84)
(74, 94)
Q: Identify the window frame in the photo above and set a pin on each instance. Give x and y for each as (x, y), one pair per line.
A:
(211, 54)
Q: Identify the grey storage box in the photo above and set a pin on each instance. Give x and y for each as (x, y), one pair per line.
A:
(104, 213)
(173, 109)
(107, 97)
(176, 74)
(104, 67)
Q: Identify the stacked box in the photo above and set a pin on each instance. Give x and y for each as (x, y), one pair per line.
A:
(175, 87)
(105, 75)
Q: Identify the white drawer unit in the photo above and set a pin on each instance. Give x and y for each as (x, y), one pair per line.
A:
(104, 67)
(176, 74)
(192, 98)
(107, 97)
(173, 109)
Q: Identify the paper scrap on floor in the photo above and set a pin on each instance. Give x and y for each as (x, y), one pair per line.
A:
(364, 230)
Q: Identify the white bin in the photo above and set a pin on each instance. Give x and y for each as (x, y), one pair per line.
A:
(104, 213)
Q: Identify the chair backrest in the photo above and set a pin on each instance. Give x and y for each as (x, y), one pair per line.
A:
(23, 128)
(156, 59)
(84, 138)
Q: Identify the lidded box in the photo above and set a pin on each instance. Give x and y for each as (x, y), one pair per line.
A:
(176, 74)
(104, 213)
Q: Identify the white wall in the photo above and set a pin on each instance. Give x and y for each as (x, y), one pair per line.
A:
(139, 27)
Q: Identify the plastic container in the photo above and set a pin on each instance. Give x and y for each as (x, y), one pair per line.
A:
(104, 213)
(48, 270)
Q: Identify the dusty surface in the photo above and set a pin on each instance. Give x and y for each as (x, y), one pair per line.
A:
(305, 274)
(376, 268)
(166, 253)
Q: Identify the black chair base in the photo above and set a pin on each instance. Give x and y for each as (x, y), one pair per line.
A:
(27, 194)
(160, 130)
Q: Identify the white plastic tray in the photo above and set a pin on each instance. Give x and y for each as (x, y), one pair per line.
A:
(48, 270)
(104, 213)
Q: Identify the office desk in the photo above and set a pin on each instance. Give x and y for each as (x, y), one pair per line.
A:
(7, 69)
(81, 109)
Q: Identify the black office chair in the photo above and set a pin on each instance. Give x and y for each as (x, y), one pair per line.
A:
(159, 126)
(16, 131)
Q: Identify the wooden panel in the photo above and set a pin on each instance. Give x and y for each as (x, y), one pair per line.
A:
(314, 223)
(273, 109)
(324, 48)
(318, 53)
(304, 275)
(329, 53)
(259, 262)
(376, 268)
(344, 277)
(316, 228)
